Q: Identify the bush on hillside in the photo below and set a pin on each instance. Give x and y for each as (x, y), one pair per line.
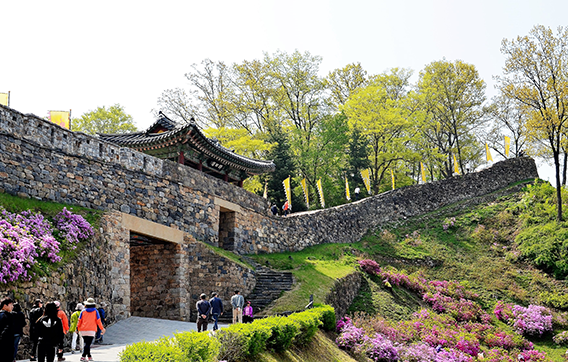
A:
(163, 350)
(198, 347)
(283, 332)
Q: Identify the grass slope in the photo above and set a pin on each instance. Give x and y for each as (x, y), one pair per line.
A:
(479, 246)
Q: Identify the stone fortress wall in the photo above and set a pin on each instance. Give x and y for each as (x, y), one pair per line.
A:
(42, 160)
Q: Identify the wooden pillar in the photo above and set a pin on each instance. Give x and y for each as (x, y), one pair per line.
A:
(181, 158)
(226, 178)
(240, 183)
(200, 166)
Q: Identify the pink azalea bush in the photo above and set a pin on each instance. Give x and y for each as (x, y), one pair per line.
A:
(456, 329)
(27, 237)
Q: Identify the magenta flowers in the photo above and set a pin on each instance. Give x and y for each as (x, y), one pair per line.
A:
(27, 237)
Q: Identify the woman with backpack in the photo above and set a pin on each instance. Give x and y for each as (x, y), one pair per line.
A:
(89, 320)
(50, 333)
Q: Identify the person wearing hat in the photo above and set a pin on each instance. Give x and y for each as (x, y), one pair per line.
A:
(89, 320)
(61, 314)
(35, 314)
(73, 329)
(203, 310)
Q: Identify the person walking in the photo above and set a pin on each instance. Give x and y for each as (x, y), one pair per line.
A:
(237, 302)
(61, 314)
(6, 330)
(248, 316)
(285, 208)
(203, 310)
(19, 324)
(50, 333)
(89, 320)
(102, 314)
(35, 314)
(216, 309)
(73, 328)
(357, 191)
(274, 210)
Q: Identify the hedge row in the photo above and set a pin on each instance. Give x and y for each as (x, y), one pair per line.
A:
(238, 342)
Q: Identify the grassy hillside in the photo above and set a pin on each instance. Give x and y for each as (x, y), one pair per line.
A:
(509, 249)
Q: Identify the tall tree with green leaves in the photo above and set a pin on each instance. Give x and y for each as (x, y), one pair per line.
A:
(104, 120)
(380, 113)
(344, 82)
(453, 95)
(535, 75)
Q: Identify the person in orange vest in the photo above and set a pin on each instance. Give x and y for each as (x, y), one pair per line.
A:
(89, 320)
(286, 207)
(61, 315)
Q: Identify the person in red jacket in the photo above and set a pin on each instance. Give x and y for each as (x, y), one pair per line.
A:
(88, 322)
(61, 314)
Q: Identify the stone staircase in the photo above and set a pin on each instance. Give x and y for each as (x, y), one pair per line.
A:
(270, 284)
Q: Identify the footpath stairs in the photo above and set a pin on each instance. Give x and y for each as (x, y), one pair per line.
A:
(270, 284)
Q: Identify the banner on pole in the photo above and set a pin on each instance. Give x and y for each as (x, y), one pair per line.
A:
(265, 194)
(392, 179)
(422, 172)
(507, 145)
(287, 190)
(347, 194)
(456, 167)
(320, 191)
(488, 153)
(366, 175)
(60, 118)
(305, 188)
(4, 99)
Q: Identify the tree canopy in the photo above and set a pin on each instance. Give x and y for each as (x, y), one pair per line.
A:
(102, 120)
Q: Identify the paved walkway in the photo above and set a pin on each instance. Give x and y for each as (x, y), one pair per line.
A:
(132, 330)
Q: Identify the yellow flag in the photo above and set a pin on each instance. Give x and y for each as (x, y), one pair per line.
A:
(489, 158)
(265, 195)
(456, 167)
(347, 195)
(320, 191)
(4, 99)
(422, 172)
(287, 190)
(60, 117)
(507, 145)
(366, 175)
(305, 188)
(392, 179)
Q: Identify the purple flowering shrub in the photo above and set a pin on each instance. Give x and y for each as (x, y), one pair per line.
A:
(72, 227)
(532, 320)
(561, 338)
(419, 352)
(27, 237)
(378, 349)
(350, 337)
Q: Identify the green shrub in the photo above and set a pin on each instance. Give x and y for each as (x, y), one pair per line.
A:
(232, 345)
(163, 350)
(250, 337)
(327, 316)
(309, 322)
(283, 332)
(555, 300)
(198, 347)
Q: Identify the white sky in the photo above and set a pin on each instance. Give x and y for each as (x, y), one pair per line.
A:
(79, 55)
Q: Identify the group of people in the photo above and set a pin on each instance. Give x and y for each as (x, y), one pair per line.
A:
(286, 209)
(48, 327)
(213, 309)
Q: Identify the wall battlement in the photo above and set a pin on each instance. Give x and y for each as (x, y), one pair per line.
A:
(42, 160)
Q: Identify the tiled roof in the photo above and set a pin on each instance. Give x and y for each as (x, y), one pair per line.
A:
(191, 134)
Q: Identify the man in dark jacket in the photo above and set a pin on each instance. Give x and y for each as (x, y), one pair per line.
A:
(216, 309)
(203, 310)
(35, 314)
(6, 330)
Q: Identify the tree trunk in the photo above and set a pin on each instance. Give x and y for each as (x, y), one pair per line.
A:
(564, 169)
(558, 186)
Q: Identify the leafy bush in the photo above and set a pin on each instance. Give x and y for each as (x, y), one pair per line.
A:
(561, 338)
(163, 350)
(233, 345)
(198, 347)
(283, 332)
(309, 322)
(555, 300)
(327, 316)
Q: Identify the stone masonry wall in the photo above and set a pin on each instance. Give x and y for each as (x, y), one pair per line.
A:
(343, 293)
(42, 160)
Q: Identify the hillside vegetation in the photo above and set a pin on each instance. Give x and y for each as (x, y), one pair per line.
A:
(510, 250)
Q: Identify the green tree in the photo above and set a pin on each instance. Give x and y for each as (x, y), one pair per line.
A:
(357, 158)
(380, 113)
(452, 97)
(343, 82)
(102, 120)
(535, 75)
(508, 119)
